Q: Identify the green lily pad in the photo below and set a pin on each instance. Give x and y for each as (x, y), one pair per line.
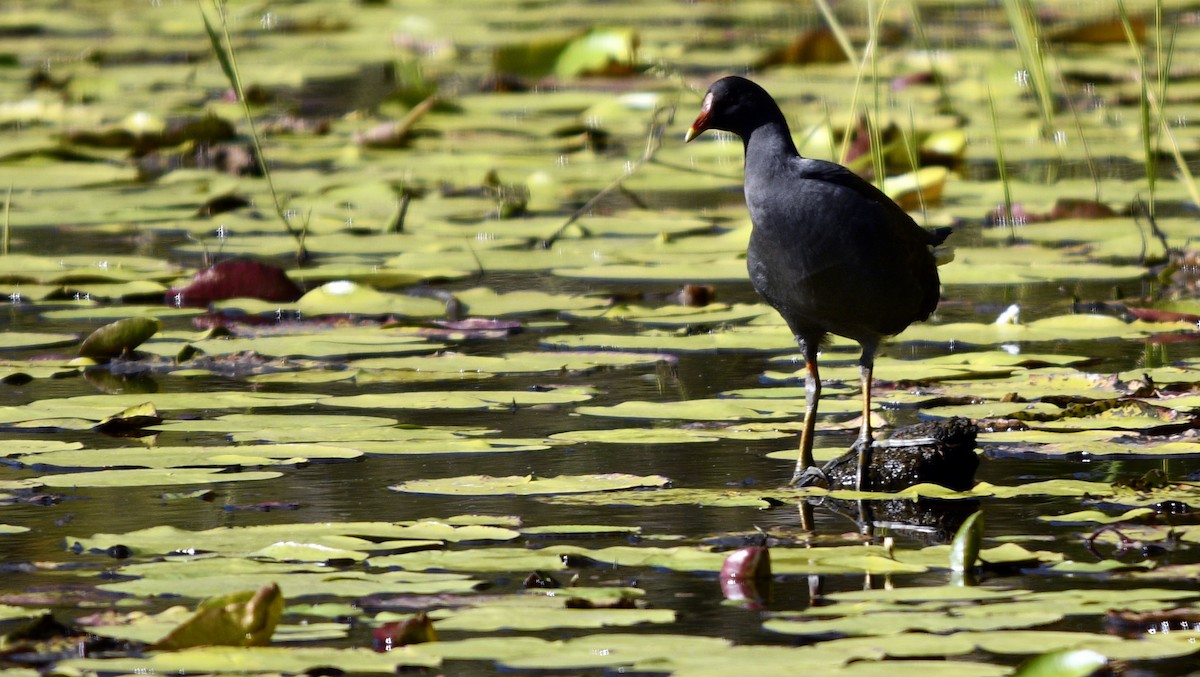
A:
(259, 659)
(514, 363)
(342, 296)
(496, 400)
(675, 315)
(883, 623)
(705, 498)
(527, 485)
(99, 407)
(496, 618)
(320, 344)
(667, 435)
(234, 619)
(729, 270)
(245, 540)
(735, 339)
(485, 302)
(9, 612)
(730, 409)
(1061, 328)
(184, 457)
(16, 340)
(150, 477)
(299, 585)
(120, 336)
(230, 423)
(495, 445)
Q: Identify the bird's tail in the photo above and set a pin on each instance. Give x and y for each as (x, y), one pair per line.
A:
(942, 253)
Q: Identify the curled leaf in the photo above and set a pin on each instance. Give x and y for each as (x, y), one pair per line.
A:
(130, 420)
(414, 630)
(1065, 663)
(744, 572)
(964, 550)
(599, 52)
(245, 618)
(119, 337)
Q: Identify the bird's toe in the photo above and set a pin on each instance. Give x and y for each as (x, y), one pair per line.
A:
(812, 476)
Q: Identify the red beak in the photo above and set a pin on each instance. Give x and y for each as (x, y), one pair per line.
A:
(698, 126)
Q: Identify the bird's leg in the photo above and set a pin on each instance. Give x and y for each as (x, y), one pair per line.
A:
(806, 472)
(866, 367)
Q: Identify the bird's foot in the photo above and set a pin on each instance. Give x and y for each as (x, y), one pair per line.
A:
(812, 476)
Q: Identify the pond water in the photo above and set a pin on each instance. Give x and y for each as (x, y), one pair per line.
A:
(518, 136)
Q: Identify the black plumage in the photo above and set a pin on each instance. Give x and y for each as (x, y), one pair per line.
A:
(829, 251)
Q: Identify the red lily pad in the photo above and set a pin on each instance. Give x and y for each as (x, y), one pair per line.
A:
(239, 278)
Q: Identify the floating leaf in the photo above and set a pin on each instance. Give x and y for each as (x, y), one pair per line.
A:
(730, 409)
(1065, 663)
(415, 630)
(12, 340)
(133, 418)
(150, 477)
(324, 535)
(320, 343)
(257, 659)
(461, 399)
(668, 435)
(707, 498)
(509, 618)
(596, 52)
(481, 301)
(182, 457)
(237, 278)
(527, 485)
(605, 52)
(235, 619)
(342, 297)
(515, 363)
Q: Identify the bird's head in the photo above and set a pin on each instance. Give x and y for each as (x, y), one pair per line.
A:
(734, 104)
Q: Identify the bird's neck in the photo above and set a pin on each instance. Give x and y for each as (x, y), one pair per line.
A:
(768, 144)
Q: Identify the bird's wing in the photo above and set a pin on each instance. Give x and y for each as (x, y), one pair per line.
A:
(912, 242)
(830, 172)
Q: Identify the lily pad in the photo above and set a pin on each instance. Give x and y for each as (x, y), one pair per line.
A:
(15, 340)
(461, 399)
(527, 485)
(139, 477)
(259, 659)
(495, 618)
(515, 363)
(185, 457)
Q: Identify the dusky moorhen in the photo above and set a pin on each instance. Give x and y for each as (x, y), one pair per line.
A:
(829, 251)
